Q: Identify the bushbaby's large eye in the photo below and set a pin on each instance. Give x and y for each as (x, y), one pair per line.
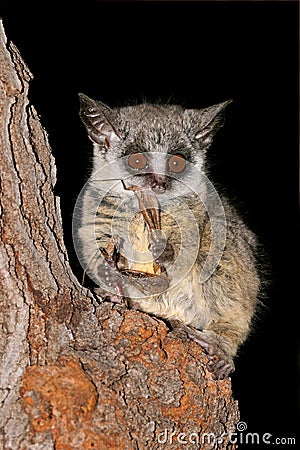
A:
(177, 163)
(137, 161)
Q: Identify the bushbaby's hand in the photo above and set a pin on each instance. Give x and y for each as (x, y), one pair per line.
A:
(162, 250)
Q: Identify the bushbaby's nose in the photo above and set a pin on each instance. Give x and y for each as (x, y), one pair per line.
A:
(158, 183)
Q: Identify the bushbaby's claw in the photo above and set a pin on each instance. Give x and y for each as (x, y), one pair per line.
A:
(220, 365)
(220, 368)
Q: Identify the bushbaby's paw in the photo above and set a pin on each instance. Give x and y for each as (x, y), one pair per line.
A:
(220, 365)
(162, 251)
(108, 275)
(110, 280)
(221, 368)
(103, 295)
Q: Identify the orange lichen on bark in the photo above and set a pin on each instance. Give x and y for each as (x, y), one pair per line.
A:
(159, 372)
(147, 339)
(60, 399)
(157, 347)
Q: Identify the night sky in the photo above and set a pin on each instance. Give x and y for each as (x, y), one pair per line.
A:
(196, 54)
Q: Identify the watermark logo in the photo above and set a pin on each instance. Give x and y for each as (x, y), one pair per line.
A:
(103, 200)
(240, 436)
(241, 426)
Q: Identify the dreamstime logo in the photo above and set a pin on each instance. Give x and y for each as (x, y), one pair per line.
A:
(239, 436)
(241, 426)
(105, 207)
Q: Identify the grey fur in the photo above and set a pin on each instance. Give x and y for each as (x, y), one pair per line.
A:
(221, 308)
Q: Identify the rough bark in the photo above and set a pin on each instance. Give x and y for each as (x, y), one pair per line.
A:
(76, 373)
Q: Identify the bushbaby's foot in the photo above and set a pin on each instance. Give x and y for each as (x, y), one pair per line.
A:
(220, 365)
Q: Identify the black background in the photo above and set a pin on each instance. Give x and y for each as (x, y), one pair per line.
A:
(195, 53)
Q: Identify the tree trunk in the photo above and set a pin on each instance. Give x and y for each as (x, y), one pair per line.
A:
(77, 373)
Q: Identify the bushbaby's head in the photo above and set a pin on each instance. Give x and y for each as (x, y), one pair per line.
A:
(156, 144)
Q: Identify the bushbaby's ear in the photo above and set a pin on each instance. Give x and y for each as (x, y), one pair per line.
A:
(204, 123)
(98, 119)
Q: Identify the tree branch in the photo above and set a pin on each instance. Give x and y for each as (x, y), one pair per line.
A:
(76, 373)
